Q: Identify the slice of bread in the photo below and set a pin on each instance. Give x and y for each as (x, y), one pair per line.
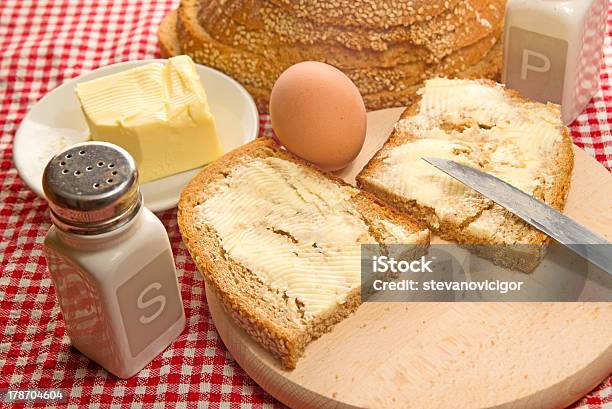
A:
(169, 43)
(478, 123)
(279, 242)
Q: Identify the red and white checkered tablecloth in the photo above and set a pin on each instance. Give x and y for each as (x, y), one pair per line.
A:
(42, 44)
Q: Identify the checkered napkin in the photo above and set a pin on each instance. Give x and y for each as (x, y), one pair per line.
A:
(42, 44)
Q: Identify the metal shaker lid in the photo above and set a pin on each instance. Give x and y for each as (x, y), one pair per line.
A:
(92, 188)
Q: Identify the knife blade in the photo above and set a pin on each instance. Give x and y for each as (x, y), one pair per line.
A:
(551, 222)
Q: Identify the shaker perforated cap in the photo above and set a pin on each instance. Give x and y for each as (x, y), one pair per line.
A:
(92, 188)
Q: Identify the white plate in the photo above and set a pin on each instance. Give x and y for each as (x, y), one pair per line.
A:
(56, 122)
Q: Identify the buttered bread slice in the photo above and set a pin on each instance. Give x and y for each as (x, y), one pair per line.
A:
(480, 124)
(280, 241)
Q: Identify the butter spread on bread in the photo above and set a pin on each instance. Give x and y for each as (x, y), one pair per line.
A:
(480, 124)
(299, 233)
(279, 241)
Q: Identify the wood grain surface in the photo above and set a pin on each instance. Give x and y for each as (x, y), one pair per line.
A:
(449, 355)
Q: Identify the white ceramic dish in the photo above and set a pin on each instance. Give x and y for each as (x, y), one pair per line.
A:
(56, 122)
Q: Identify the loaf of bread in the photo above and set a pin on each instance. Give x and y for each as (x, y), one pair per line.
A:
(480, 124)
(280, 243)
(254, 41)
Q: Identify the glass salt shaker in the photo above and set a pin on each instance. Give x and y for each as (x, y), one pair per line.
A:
(553, 51)
(110, 259)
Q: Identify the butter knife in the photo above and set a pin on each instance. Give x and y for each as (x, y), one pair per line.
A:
(564, 230)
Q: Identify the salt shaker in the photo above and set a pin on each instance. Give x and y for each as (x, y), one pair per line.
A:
(553, 51)
(110, 259)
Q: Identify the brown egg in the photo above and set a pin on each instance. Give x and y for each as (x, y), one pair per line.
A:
(318, 114)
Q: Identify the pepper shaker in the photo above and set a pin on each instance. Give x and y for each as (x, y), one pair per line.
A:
(110, 259)
(553, 51)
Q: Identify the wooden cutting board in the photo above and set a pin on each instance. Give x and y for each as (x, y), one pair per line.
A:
(449, 355)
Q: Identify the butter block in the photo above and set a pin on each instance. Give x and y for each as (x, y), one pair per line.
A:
(158, 112)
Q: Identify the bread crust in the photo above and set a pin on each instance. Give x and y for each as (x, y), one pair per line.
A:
(554, 195)
(169, 43)
(248, 300)
(388, 13)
